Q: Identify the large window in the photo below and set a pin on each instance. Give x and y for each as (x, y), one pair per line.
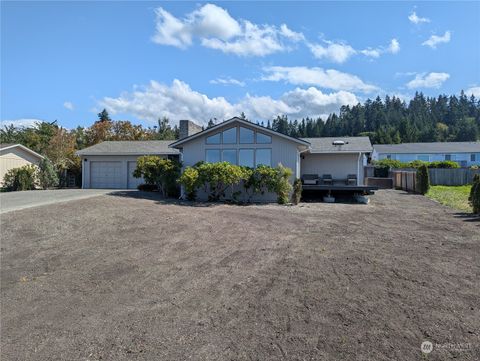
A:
(263, 138)
(423, 157)
(213, 139)
(229, 155)
(212, 155)
(230, 136)
(245, 158)
(246, 136)
(263, 157)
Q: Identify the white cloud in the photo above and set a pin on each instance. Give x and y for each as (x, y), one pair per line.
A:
(394, 46)
(68, 105)
(179, 101)
(475, 91)
(434, 40)
(335, 52)
(339, 52)
(21, 123)
(430, 80)
(227, 81)
(414, 18)
(330, 78)
(216, 29)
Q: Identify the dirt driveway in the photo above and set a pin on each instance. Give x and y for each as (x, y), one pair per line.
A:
(119, 278)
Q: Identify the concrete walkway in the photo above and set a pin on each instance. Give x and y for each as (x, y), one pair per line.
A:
(14, 201)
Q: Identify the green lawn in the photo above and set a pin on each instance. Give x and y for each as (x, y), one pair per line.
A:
(455, 197)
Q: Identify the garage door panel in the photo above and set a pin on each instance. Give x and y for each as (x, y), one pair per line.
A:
(132, 181)
(106, 174)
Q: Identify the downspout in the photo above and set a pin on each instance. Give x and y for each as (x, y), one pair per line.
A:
(358, 167)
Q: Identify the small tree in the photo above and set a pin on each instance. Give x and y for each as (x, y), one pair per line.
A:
(423, 181)
(219, 177)
(47, 176)
(474, 198)
(20, 179)
(158, 171)
(190, 181)
(282, 185)
(297, 191)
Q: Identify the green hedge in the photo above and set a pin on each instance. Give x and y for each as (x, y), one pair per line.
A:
(217, 178)
(20, 179)
(383, 166)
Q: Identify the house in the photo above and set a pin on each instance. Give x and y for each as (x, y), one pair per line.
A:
(110, 164)
(464, 153)
(15, 156)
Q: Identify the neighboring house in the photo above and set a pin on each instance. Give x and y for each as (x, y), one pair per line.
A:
(110, 164)
(15, 156)
(464, 153)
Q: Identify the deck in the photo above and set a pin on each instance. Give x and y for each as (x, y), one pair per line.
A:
(340, 188)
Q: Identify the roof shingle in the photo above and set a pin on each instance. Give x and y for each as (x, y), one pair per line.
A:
(436, 147)
(130, 147)
(352, 144)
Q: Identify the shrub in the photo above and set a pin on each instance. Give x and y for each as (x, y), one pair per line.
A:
(189, 179)
(423, 181)
(443, 164)
(158, 171)
(474, 197)
(218, 177)
(20, 179)
(47, 176)
(147, 187)
(383, 166)
(297, 191)
(282, 186)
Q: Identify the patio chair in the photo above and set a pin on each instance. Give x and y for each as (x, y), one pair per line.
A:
(327, 179)
(310, 179)
(351, 180)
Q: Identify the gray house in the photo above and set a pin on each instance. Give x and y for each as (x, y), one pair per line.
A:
(238, 141)
(464, 153)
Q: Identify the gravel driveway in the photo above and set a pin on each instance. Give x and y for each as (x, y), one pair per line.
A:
(14, 201)
(125, 278)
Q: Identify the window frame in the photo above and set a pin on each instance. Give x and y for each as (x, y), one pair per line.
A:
(265, 135)
(473, 157)
(226, 130)
(256, 150)
(450, 158)
(214, 149)
(240, 135)
(229, 149)
(210, 136)
(253, 157)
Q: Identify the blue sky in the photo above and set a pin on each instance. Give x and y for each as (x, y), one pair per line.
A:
(198, 60)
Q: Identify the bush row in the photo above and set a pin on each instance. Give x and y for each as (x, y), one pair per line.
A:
(217, 179)
(383, 166)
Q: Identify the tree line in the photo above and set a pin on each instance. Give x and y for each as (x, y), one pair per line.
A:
(391, 120)
(388, 120)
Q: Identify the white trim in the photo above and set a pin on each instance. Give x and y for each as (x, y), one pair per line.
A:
(242, 121)
(24, 148)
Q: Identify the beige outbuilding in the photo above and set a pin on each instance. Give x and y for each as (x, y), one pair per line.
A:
(16, 156)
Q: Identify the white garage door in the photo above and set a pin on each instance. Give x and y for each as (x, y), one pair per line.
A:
(132, 181)
(106, 175)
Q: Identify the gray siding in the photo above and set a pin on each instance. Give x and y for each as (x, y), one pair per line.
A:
(124, 159)
(338, 165)
(283, 151)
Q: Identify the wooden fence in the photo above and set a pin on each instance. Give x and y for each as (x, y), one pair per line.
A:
(404, 179)
(452, 177)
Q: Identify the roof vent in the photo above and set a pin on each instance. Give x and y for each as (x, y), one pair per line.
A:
(338, 142)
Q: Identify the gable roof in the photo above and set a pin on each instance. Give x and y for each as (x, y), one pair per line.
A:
(5, 146)
(130, 147)
(239, 120)
(436, 147)
(352, 145)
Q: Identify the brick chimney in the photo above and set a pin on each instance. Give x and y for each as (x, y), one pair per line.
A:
(187, 128)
